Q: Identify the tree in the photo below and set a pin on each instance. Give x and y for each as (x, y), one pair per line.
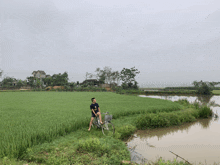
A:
(100, 76)
(38, 83)
(89, 75)
(60, 79)
(24, 82)
(108, 74)
(72, 85)
(64, 78)
(117, 77)
(1, 72)
(105, 75)
(204, 88)
(8, 82)
(19, 83)
(30, 81)
(48, 81)
(128, 76)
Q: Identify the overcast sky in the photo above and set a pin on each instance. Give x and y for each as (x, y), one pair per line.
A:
(170, 42)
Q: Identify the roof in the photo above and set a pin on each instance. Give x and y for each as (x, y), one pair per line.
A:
(40, 71)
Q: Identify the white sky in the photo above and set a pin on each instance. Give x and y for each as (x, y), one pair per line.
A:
(169, 42)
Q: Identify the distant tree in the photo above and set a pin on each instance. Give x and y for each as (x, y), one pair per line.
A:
(48, 81)
(19, 83)
(100, 76)
(116, 77)
(72, 85)
(8, 82)
(38, 83)
(31, 81)
(88, 75)
(1, 72)
(60, 79)
(128, 77)
(24, 83)
(64, 78)
(106, 75)
(204, 88)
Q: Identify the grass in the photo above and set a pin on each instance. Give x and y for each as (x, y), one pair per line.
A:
(30, 118)
(51, 128)
(216, 92)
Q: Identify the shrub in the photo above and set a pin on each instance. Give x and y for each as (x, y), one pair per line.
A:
(174, 119)
(125, 131)
(184, 102)
(164, 119)
(90, 145)
(143, 121)
(204, 112)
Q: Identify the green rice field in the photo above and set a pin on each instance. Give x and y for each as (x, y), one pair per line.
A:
(216, 92)
(31, 118)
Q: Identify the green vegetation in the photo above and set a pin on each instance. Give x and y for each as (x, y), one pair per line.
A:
(40, 81)
(30, 118)
(204, 88)
(51, 127)
(216, 92)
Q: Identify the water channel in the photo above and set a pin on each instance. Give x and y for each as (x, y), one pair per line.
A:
(196, 142)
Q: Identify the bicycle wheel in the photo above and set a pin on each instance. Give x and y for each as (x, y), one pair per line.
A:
(108, 129)
(96, 123)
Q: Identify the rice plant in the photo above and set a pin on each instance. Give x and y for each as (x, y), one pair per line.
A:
(31, 118)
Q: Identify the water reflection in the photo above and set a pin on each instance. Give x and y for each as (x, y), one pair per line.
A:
(204, 99)
(191, 98)
(161, 132)
(196, 141)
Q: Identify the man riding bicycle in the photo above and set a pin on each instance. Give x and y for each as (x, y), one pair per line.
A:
(95, 111)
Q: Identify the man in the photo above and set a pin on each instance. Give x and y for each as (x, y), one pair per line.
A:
(95, 111)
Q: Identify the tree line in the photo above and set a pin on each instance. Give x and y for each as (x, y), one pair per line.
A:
(103, 76)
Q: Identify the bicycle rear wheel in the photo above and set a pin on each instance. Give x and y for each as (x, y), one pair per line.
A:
(108, 129)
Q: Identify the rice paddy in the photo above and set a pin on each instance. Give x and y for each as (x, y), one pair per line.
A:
(31, 118)
(216, 92)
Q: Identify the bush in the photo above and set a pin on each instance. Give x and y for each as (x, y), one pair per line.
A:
(184, 102)
(89, 145)
(174, 119)
(125, 131)
(165, 119)
(205, 112)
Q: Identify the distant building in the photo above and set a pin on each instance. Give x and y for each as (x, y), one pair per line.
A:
(39, 74)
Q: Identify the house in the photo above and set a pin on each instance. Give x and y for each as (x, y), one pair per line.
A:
(14, 83)
(39, 74)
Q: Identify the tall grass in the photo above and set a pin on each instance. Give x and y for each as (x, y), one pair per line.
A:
(30, 118)
(163, 119)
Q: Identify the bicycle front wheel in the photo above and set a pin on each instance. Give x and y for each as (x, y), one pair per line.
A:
(108, 129)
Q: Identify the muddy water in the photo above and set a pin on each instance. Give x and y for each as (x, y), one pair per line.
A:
(195, 142)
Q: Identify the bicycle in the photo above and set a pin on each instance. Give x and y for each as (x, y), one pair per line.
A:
(108, 128)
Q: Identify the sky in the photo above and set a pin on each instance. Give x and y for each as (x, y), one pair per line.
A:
(171, 43)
